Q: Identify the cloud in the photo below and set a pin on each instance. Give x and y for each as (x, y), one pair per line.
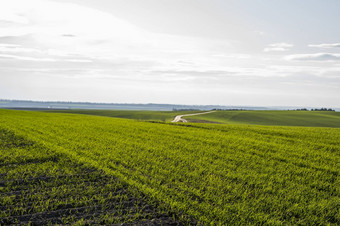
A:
(274, 49)
(10, 17)
(313, 57)
(281, 45)
(13, 48)
(79, 60)
(5, 45)
(41, 19)
(326, 45)
(278, 47)
(86, 32)
(43, 59)
(18, 52)
(15, 57)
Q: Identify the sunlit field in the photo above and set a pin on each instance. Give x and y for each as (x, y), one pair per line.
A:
(212, 174)
(273, 118)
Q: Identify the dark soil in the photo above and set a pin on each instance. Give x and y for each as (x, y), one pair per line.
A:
(86, 196)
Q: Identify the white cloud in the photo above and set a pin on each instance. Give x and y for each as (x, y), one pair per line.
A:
(43, 59)
(65, 29)
(326, 45)
(48, 19)
(278, 47)
(233, 56)
(12, 17)
(10, 48)
(79, 60)
(281, 45)
(313, 57)
(15, 57)
(5, 45)
(274, 49)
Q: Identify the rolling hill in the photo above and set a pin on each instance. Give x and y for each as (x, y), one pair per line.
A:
(273, 118)
(215, 174)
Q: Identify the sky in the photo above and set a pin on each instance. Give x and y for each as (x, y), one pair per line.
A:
(224, 52)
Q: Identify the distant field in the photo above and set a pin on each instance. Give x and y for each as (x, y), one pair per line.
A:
(217, 174)
(274, 118)
(165, 116)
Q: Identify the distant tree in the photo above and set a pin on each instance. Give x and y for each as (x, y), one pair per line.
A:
(302, 109)
(322, 109)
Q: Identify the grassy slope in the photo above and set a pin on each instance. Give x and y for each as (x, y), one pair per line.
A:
(278, 118)
(139, 115)
(235, 174)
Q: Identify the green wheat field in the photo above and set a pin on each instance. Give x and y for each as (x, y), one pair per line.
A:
(247, 168)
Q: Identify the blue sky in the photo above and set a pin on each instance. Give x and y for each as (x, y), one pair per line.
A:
(240, 52)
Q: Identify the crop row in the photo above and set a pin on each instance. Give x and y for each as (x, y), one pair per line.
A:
(63, 192)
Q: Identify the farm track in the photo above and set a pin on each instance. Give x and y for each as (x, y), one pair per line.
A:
(83, 195)
(179, 118)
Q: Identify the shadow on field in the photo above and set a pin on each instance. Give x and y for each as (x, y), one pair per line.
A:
(39, 187)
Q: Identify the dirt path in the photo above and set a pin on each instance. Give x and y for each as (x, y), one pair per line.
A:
(179, 118)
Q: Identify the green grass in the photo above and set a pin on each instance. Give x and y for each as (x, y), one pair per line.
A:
(165, 116)
(274, 118)
(40, 186)
(218, 174)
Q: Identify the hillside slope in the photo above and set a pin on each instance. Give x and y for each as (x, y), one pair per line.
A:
(217, 174)
(129, 114)
(274, 118)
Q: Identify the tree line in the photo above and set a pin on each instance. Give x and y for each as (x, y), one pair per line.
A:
(315, 109)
